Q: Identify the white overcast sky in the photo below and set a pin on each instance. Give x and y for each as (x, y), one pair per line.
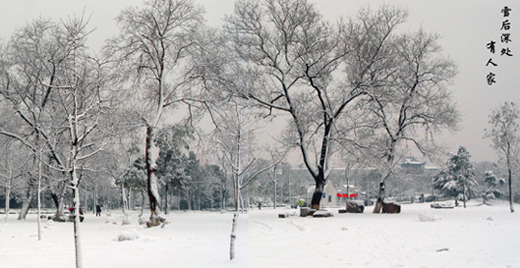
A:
(465, 26)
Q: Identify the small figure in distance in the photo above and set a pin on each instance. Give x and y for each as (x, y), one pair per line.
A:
(98, 211)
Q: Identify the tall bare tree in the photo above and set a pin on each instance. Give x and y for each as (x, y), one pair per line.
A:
(32, 59)
(409, 99)
(297, 63)
(505, 138)
(234, 141)
(149, 50)
(233, 137)
(76, 124)
(84, 101)
(295, 52)
(12, 168)
(276, 157)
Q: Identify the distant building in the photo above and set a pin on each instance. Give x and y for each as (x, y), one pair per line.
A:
(333, 197)
(411, 175)
(329, 198)
(411, 164)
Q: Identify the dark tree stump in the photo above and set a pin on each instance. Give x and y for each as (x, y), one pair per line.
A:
(391, 208)
(304, 212)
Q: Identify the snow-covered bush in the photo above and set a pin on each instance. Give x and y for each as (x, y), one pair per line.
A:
(129, 235)
(492, 183)
(110, 219)
(126, 221)
(428, 217)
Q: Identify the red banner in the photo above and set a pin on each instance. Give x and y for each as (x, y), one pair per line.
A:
(345, 195)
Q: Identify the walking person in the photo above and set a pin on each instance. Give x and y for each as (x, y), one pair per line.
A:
(98, 210)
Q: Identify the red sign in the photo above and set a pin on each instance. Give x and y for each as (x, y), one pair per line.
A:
(345, 195)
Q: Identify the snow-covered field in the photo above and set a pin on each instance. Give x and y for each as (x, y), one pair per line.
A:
(479, 236)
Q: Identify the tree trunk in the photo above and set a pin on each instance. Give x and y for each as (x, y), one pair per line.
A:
(180, 199)
(28, 199)
(198, 201)
(77, 244)
(131, 204)
(143, 202)
(212, 199)
(274, 197)
(318, 192)
(236, 193)
(123, 197)
(61, 199)
(348, 188)
(94, 199)
(166, 199)
(243, 204)
(510, 191)
(39, 199)
(389, 160)
(57, 198)
(223, 198)
(56, 201)
(464, 194)
(381, 197)
(7, 198)
(85, 200)
(233, 237)
(151, 155)
(188, 198)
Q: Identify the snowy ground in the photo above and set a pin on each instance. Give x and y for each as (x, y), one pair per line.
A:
(479, 236)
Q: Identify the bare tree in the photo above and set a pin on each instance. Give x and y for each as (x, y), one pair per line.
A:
(116, 161)
(296, 52)
(32, 60)
(276, 158)
(223, 180)
(77, 120)
(294, 59)
(152, 43)
(353, 161)
(409, 99)
(84, 101)
(233, 137)
(12, 168)
(504, 135)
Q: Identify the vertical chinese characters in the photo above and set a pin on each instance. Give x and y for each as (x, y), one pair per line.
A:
(505, 39)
